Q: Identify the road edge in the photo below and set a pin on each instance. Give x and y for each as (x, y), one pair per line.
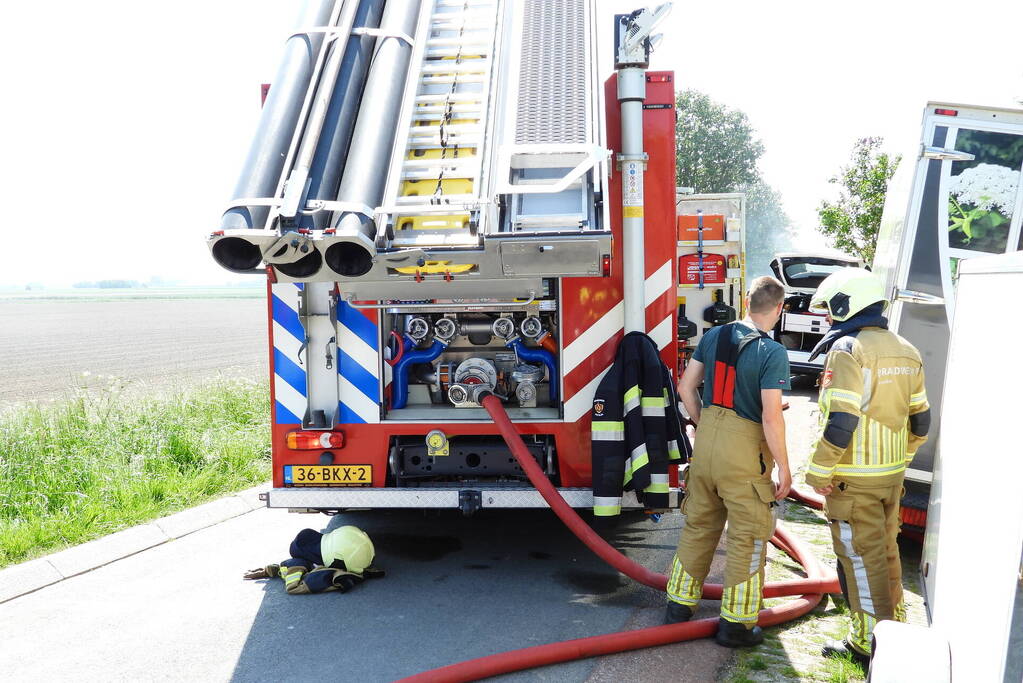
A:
(28, 577)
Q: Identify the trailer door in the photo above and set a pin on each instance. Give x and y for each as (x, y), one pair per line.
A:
(964, 208)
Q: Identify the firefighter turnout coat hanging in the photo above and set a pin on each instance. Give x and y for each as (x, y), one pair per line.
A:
(637, 431)
(874, 416)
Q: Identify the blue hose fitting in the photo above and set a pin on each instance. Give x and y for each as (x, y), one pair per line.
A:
(399, 382)
(539, 356)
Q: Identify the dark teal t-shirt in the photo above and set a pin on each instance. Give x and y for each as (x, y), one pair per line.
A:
(763, 364)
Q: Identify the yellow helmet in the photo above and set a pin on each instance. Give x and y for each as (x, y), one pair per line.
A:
(846, 292)
(349, 544)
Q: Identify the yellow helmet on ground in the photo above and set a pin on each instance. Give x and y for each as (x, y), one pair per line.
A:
(848, 291)
(349, 544)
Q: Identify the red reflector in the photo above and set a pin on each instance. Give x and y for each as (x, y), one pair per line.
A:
(315, 440)
(946, 112)
(218, 233)
(658, 78)
(606, 265)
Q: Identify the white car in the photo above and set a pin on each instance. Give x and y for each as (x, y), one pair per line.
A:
(800, 329)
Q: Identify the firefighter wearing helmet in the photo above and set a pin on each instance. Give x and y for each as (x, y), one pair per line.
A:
(874, 416)
(335, 561)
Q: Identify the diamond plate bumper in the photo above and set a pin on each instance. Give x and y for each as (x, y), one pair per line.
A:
(332, 499)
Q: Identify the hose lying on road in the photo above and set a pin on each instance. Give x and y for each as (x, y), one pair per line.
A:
(809, 589)
(812, 500)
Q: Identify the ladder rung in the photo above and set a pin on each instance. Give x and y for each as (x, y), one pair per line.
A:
(444, 98)
(456, 198)
(476, 12)
(434, 143)
(460, 42)
(471, 66)
(461, 3)
(463, 111)
(430, 174)
(456, 129)
(463, 23)
(440, 163)
(478, 49)
(427, 79)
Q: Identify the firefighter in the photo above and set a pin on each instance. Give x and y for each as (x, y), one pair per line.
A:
(335, 561)
(740, 437)
(874, 416)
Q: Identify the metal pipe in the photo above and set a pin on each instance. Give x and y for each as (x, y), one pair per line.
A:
(375, 130)
(631, 93)
(265, 161)
(539, 356)
(328, 162)
(399, 381)
(323, 96)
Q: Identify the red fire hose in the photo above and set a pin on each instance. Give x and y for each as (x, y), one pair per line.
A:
(809, 589)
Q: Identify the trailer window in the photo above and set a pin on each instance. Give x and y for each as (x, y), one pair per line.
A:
(982, 193)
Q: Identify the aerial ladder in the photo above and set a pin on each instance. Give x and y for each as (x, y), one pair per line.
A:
(447, 202)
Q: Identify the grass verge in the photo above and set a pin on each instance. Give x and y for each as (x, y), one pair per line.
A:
(102, 461)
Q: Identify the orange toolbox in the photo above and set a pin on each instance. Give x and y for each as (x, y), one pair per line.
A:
(689, 228)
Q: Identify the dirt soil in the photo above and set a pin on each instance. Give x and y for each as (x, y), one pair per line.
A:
(49, 346)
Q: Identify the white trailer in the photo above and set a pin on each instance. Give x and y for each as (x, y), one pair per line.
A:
(955, 196)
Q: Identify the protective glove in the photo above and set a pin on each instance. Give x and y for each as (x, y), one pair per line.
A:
(268, 572)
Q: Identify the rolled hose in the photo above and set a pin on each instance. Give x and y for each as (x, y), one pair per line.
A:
(809, 589)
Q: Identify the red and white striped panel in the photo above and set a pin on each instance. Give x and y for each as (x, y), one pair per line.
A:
(586, 358)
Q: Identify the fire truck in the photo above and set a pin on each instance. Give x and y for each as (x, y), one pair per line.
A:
(445, 200)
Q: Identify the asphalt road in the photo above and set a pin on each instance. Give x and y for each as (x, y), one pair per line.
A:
(156, 344)
(455, 589)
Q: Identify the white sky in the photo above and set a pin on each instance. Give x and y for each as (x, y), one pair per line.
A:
(125, 123)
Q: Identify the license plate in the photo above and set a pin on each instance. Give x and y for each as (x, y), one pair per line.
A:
(328, 475)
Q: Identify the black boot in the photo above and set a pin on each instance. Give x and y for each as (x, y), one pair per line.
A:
(677, 613)
(731, 634)
(841, 648)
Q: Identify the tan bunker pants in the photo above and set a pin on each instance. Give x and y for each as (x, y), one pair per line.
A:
(865, 522)
(729, 478)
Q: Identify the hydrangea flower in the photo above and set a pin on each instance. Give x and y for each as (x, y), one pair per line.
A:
(987, 186)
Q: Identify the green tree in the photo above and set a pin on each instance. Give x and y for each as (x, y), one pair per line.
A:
(851, 223)
(717, 150)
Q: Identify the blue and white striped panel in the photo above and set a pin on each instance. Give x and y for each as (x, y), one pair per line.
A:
(289, 374)
(358, 366)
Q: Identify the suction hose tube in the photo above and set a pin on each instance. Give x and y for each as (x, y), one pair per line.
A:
(399, 396)
(808, 589)
(539, 356)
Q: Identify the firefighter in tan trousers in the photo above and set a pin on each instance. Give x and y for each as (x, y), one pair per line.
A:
(740, 426)
(874, 416)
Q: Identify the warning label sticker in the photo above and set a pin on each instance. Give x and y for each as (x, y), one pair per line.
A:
(632, 183)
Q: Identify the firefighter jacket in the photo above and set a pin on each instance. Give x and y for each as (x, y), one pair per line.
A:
(637, 429)
(873, 406)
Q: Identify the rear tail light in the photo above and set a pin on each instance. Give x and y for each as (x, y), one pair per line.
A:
(605, 265)
(315, 440)
(946, 112)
